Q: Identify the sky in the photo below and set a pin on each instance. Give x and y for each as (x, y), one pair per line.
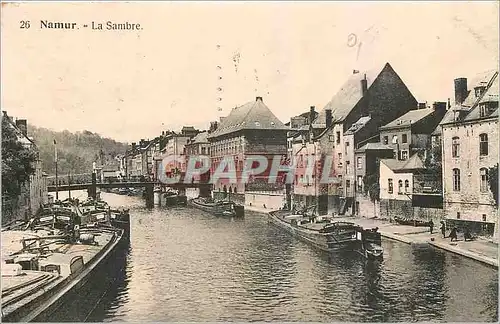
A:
(129, 85)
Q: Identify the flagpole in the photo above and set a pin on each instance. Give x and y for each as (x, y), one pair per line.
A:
(57, 181)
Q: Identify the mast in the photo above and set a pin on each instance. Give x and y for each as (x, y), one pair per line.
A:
(55, 159)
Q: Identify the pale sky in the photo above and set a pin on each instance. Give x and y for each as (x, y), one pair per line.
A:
(130, 85)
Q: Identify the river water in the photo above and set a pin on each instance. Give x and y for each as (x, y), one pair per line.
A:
(186, 265)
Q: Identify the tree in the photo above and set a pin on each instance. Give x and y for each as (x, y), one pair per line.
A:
(17, 161)
(493, 182)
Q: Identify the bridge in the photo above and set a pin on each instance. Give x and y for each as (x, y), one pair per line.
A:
(147, 185)
(86, 186)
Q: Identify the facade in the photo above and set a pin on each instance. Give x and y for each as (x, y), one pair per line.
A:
(198, 146)
(251, 129)
(396, 186)
(411, 133)
(470, 148)
(367, 163)
(174, 146)
(378, 94)
(34, 191)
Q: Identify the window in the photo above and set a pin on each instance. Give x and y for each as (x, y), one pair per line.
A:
(455, 147)
(359, 183)
(484, 179)
(346, 147)
(483, 144)
(390, 188)
(395, 139)
(203, 150)
(386, 139)
(404, 155)
(407, 186)
(404, 138)
(456, 180)
(484, 217)
(483, 110)
(347, 164)
(340, 159)
(348, 184)
(458, 215)
(400, 187)
(359, 161)
(338, 137)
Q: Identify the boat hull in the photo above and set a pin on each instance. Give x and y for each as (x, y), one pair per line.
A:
(42, 308)
(319, 240)
(239, 211)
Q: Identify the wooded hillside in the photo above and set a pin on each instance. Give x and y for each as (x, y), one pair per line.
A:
(76, 151)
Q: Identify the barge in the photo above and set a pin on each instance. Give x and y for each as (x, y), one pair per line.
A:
(329, 235)
(50, 259)
(221, 208)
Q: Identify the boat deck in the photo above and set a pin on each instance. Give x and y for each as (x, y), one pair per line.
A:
(20, 288)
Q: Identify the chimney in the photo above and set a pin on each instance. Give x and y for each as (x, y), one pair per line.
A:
(421, 105)
(258, 98)
(22, 124)
(329, 118)
(355, 71)
(213, 126)
(311, 115)
(364, 86)
(163, 133)
(133, 146)
(460, 90)
(449, 104)
(440, 107)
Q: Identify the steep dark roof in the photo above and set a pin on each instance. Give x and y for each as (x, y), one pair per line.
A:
(252, 115)
(409, 118)
(348, 96)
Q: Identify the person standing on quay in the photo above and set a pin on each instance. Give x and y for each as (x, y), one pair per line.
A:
(443, 229)
(431, 225)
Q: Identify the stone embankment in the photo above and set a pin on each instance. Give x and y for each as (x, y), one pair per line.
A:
(481, 249)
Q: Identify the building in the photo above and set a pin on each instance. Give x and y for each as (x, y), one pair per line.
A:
(398, 180)
(469, 150)
(172, 155)
(411, 133)
(367, 168)
(195, 147)
(379, 94)
(249, 130)
(33, 193)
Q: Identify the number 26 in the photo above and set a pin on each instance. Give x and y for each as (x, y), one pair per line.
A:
(25, 24)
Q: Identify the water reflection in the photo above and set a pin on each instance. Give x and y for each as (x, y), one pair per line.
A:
(186, 265)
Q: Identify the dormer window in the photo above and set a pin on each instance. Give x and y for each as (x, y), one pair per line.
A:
(479, 91)
(486, 108)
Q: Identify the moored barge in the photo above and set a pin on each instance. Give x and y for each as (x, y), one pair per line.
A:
(222, 208)
(329, 235)
(47, 260)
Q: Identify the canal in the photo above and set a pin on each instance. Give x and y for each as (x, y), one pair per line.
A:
(186, 265)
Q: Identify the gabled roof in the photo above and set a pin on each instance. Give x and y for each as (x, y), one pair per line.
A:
(413, 163)
(358, 125)
(200, 138)
(409, 118)
(374, 147)
(348, 96)
(253, 115)
(490, 95)
(484, 78)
